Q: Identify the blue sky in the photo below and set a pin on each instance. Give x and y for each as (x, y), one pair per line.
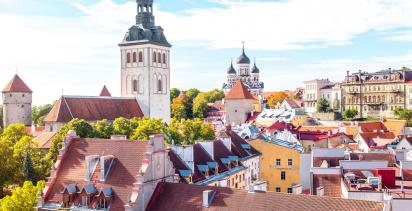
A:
(72, 44)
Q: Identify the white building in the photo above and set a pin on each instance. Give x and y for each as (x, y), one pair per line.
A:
(312, 93)
(145, 64)
(333, 94)
(17, 100)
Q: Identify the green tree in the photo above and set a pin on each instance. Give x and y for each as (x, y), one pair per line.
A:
(200, 105)
(103, 129)
(28, 169)
(11, 138)
(399, 112)
(191, 94)
(82, 128)
(122, 126)
(322, 105)
(39, 112)
(22, 198)
(179, 110)
(215, 95)
(1, 117)
(350, 113)
(174, 92)
(148, 127)
(195, 130)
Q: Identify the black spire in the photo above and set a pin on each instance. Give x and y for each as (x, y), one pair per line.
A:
(255, 69)
(243, 59)
(231, 69)
(144, 15)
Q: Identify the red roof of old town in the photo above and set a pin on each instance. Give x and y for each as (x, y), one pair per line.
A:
(17, 85)
(239, 92)
(177, 196)
(93, 109)
(129, 157)
(105, 92)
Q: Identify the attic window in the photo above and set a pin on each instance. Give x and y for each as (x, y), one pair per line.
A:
(106, 163)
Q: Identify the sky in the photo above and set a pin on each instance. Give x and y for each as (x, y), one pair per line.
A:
(71, 46)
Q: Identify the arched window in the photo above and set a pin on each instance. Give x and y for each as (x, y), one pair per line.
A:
(159, 85)
(128, 57)
(135, 85)
(164, 58)
(134, 57)
(140, 56)
(154, 57)
(159, 58)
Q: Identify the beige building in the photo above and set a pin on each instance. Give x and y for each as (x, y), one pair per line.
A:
(313, 93)
(333, 94)
(17, 100)
(238, 104)
(377, 94)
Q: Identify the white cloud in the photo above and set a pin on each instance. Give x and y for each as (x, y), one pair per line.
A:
(294, 24)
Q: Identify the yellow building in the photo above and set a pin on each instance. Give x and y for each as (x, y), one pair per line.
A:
(279, 165)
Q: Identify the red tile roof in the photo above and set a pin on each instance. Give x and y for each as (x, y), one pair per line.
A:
(239, 92)
(128, 154)
(17, 85)
(314, 135)
(372, 127)
(372, 139)
(105, 92)
(280, 126)
(93, 108)
(292, 103)
(237, 148)
(44, 140)
(391, 158)
(331, 184)
(169, 196)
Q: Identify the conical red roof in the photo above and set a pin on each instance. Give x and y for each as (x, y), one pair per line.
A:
(105, 92)
(239, 91)
(17, 85)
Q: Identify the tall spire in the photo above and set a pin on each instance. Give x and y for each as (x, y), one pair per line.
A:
(144, 15)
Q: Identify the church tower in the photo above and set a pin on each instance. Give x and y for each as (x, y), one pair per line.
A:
(145, 64)
(17, 100)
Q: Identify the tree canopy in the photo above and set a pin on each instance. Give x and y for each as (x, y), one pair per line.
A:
(350, 113)
(322, 105)
(174, 92)
(38, 113)
(22, 198)
(275, 98)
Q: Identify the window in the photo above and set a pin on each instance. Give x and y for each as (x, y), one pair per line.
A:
(134, 57)
(140, 56)
(154, 57)
(128, 57)
(290, 162)
(277, 162)
(164, 58)
(135, 85)
(159, 58)
(283, 175)
(290, 190)
(278, 189)
(159, 85)
(66, 200)
(84, 201)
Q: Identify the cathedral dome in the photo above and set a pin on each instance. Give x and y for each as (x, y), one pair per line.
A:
(231, 69)
(243, 59)
(255, 69)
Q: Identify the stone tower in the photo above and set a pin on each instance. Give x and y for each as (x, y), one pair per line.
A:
(145, 64)
(17, 100)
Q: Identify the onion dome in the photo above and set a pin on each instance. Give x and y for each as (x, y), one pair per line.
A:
(231, 69)
(255, 69)
(243, 59)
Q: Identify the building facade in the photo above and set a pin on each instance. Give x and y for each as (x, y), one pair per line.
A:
(376, 94)
(250, 77)
(238, 104)
(17, 100)
(281, 170)
(313, 93)
(333, 94)
(145, 64)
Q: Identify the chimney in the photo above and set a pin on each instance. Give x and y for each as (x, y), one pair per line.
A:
(208, 198)
(297, 189)
(320, 191)
(157, 142)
